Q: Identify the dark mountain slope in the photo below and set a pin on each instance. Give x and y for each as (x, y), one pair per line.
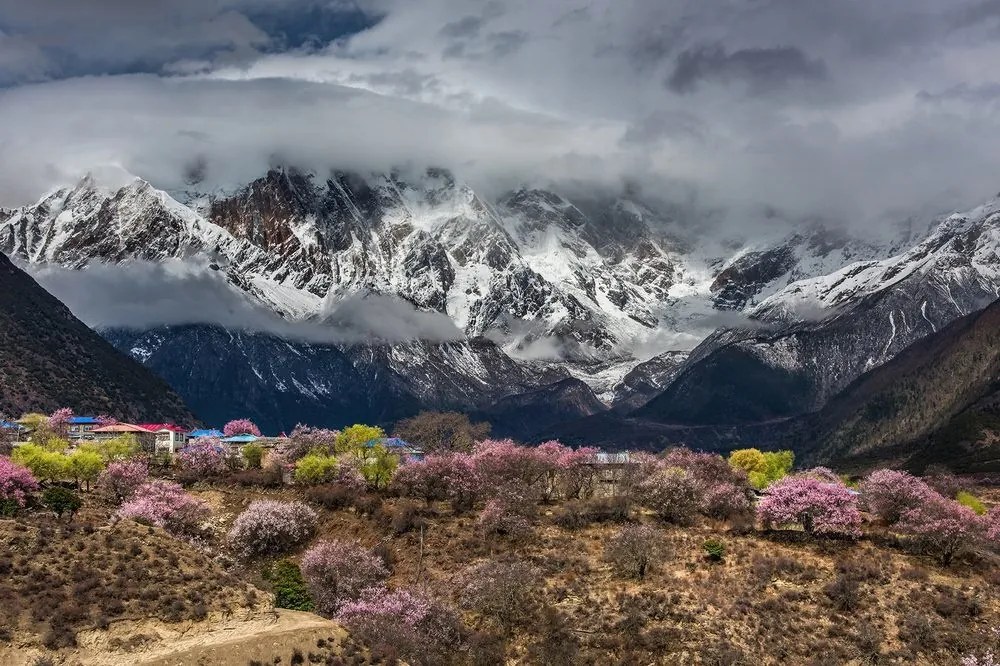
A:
(937, 401)
(50, 359)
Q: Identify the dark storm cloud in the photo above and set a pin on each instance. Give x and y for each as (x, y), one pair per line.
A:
(762, 69)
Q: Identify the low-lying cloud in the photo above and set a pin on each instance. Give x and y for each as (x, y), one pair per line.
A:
(141, 296)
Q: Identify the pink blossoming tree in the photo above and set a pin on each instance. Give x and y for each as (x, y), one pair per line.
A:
(943, 527)
(16, 483)
(338, 571)
(165, 505)
(206, 457)
(820, 508)
(121, 478)
(271, 527)
(240, 427)
(887, 494)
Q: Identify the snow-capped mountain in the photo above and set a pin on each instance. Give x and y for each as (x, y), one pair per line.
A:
(589, 287)
(812, 338)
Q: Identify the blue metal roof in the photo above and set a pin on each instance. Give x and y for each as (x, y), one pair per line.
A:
(389, 443)
(240, 439)
(10, 425)
(205, 433)
(83, 420)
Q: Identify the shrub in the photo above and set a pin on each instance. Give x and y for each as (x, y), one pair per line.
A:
(61, 500)
(993, 525)
(633, 549)
(16, 483)
(330, 496)
(240, 427)
(714, 549)
(121, 478)
(887, 493)
(405, 518)
(270, 527)
(967, 499)
(726, 501)
(673, 493)
(253, 454)
(165, 505)
(820, 508)
(262, 478)
(290, 590)
(315, 468)
(205, 459)
(942, 527)
(500, 590)
(761, 468)
(506, 517)
(338, 571)
(409, 624)
(843, 592)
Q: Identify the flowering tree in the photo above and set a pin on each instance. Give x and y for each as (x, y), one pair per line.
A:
(304, 440)
(424, 479)
(888, 493)
(240, 427)
(821, 508)
(506, 516)
(105, 420)
(500, 590)
(270, 527)
(726, 501)
(993, 525)
(338, 571)
(205, 458)
(122, 478)
(824, 474)
(725, 490)
(502, 464)
(633, 549)
(16, 482)
(943, 527)
(58, 422)
(418, 628)
(165, 505)
(673, 493)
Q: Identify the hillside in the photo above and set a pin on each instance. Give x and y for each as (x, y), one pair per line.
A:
(934, 402)
(50, 359)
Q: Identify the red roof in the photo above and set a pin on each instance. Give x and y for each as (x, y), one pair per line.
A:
(155, 427)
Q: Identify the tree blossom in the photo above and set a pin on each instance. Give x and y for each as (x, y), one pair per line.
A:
(673, 493)
(944, 527)
(122, 478)
(726, 501)
(502, 464)
(270, 527)
(165, 505)
(418, 628)
(240, 427)
(15, 484)
(338, 571)
(821, 508)
(206, 457)
(306, 439)
(58, 422)
(824, 474)
(438, 477)
(888, 493)
(993, 525)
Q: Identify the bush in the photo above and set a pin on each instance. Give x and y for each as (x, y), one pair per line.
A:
(270, 527)
(673, 493)
(726, 501)
(330, 496)
(633, 549)
(502, 591)
(315, 468)
(261, 478)
(16, 483)
(969, 500)
(820, 508)
(339, 571)
(888, 493)
(405, 518)
(253, 454)
(206, 458)
(121, 478)
(61, 500)
(993, 525)
(408, 624)
(505, 518)
(165, 505)
(290, 589)
(714, 549)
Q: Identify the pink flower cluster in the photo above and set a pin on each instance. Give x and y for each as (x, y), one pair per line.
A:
(206, 458)
(944, 526)
(240, 427)
(15, 482)
(270, 527)
(993, 525)
(58, 421)
(821, 508)
(888, 493)
(122, 478)
(165, 505)
(338, 571)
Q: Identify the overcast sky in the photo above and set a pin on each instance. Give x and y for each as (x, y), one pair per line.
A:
(859, 110)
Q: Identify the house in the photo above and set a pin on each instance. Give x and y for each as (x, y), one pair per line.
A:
(201, 434)
(146, 438)
(169, 438)
(80, 426)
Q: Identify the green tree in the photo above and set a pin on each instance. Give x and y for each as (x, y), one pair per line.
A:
(290, 589)
(122, 447)
(253, 454)
(762, 469)
(47, 466)
(315, 468)
(61, 500)
(353, 439)
(85, 466)
(378, 465)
